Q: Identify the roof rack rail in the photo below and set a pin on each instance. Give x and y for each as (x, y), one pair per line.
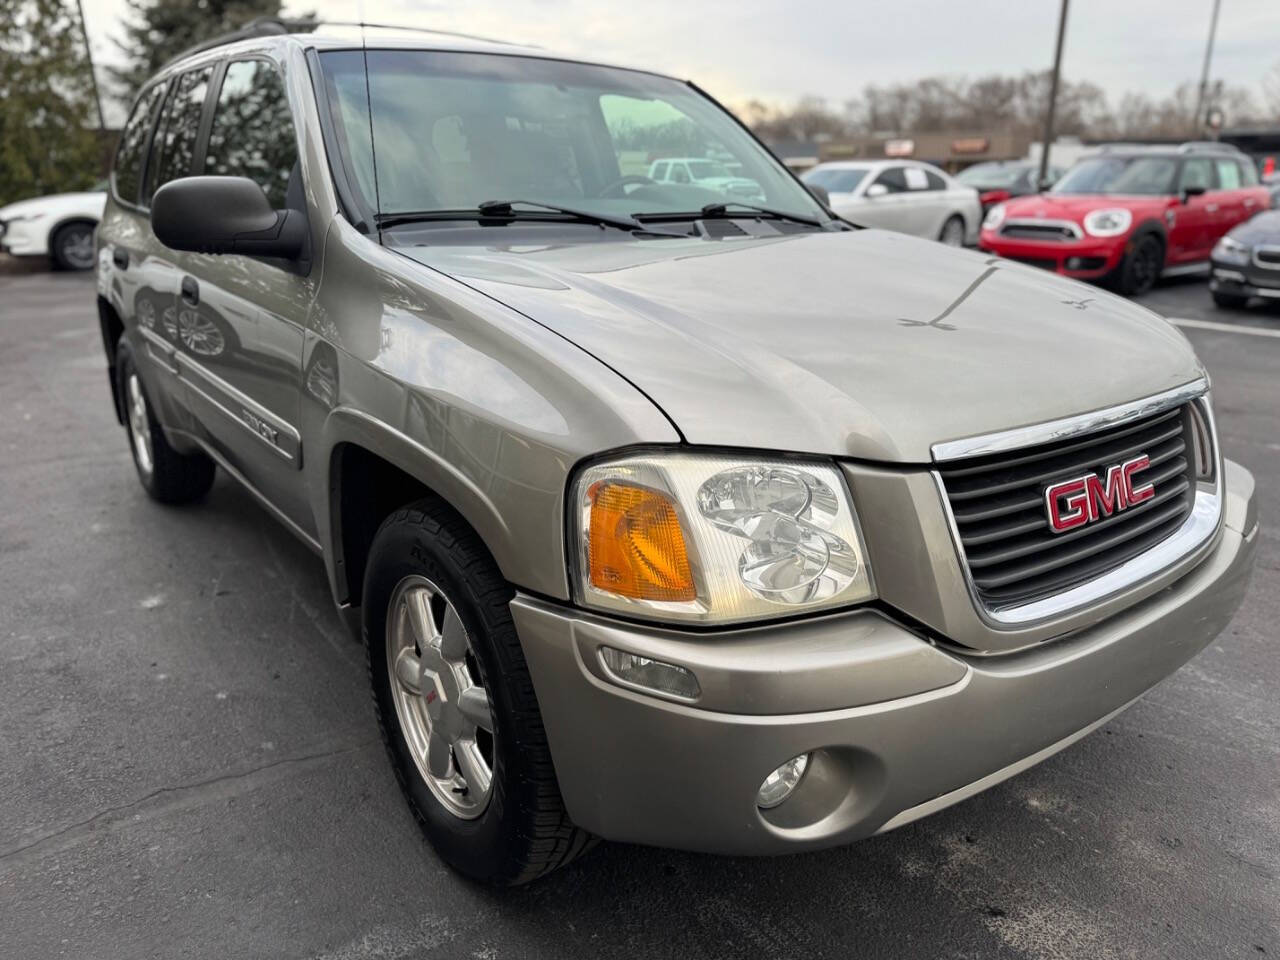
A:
(257, 27)
(1208, 146)
(276, 27)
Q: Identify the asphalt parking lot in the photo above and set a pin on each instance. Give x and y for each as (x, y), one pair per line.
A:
(189, 764)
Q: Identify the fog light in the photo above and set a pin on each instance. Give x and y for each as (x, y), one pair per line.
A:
(782, 782)
(631, 670)
(1074, 263)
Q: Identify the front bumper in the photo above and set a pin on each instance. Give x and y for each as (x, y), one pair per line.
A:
(1244, 280)
(1086, 259)
(898, 727)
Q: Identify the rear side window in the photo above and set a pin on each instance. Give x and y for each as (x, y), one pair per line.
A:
(252, 133)
(935, 181)
(1228, 174)
(1248, 173)
(175, 145)
(126, 174)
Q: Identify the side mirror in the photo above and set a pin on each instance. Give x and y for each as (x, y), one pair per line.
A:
(225, 215)
(877, 190)
(820, 194)
(1189, 192)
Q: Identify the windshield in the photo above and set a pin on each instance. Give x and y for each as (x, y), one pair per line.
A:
(991, 175)
(834, 180)
(453, 130)
(705, 169)
(1132, 176)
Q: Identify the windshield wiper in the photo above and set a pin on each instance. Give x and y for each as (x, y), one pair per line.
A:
(721, 210)
(505, 210)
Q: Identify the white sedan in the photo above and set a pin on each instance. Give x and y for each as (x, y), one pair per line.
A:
(902, 195)
(59, 226)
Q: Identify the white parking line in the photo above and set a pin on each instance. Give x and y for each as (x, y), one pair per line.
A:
(1224, 327)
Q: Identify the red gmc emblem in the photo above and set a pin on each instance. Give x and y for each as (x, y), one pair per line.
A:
(1073, 503)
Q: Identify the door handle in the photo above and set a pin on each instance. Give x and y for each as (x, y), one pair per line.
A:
(120, 257)
(1250, 202)
(1211, 207)
(191, 291)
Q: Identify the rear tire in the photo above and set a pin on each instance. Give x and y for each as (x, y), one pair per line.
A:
(1231, 301)
(167, 475)
(520, 830)
(953, 231)
(1141, 267)
(71, 247)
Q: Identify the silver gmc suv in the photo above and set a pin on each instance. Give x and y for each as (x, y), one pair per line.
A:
(665, 516)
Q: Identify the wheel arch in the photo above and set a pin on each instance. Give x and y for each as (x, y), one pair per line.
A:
(1151, 227)
(372, 470)
(67, 221)
(112, 328)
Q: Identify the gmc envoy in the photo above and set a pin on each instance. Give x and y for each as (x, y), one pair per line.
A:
(668, 512)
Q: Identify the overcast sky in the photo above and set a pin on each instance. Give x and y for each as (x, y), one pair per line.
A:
(780, 50)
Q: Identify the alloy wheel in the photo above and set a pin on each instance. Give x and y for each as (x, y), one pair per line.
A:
(439, 696)
(139, 425)
(76, 246)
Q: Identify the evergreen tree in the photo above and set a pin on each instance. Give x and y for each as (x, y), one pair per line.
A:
(156, 31)
(47, 116)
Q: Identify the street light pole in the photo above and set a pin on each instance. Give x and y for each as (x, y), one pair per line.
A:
(1043, 178)
(1198, 121)
(88, 52)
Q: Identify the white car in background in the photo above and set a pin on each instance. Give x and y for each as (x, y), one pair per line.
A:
(903, 195)
(59, 226)
(701, 172)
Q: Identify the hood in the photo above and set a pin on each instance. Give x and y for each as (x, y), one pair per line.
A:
(37, 206)
(1263, 228)
(1074, 206)
(865, 344)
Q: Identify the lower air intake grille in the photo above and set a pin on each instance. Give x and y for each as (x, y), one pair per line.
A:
(998, 502)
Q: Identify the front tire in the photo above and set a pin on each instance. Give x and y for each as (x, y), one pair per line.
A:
(1231, 301)
(71, 247)
(167, 475)
(455, 701)
(1141, 267)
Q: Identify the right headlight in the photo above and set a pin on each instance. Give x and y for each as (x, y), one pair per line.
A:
(716, 539)
(995, 217)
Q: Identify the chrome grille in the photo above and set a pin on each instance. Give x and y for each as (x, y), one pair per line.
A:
(1267, 257)
(998, 504)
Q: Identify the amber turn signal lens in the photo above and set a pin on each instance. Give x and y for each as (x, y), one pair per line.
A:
(635, 547)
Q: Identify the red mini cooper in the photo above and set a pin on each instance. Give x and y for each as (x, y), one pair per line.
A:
(1129, 216)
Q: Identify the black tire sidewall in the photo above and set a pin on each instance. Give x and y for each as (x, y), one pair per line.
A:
(59, 238)
(483, 848)
(1129, 284)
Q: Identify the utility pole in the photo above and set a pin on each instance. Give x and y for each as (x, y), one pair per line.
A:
(1204, 73)
(1043, 178)
(88, 52)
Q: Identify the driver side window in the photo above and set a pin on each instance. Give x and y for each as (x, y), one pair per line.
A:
(1197, 172)
(679, 173)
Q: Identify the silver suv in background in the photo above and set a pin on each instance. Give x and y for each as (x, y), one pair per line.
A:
(663, 517)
